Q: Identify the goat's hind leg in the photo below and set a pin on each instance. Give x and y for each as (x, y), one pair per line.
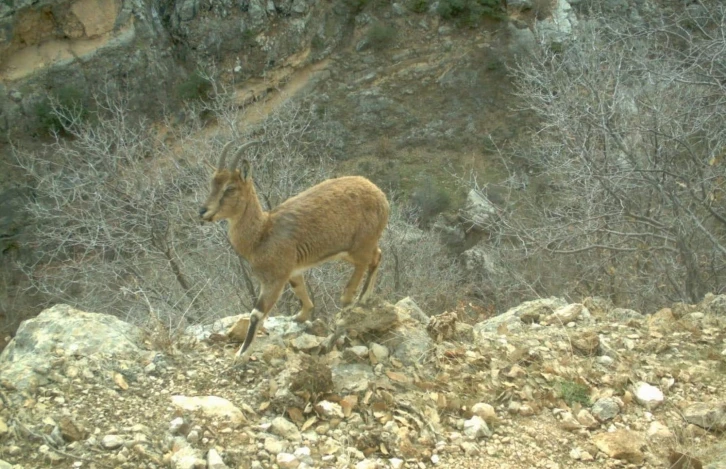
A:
(370, 282)
(298, 287)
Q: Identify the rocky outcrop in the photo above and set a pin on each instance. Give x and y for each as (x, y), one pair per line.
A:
(69, 49)
(516, 395)
(62, 343)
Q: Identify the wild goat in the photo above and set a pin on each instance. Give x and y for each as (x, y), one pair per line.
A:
(341, 218)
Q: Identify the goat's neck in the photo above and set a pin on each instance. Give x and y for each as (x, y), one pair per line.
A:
(246, 228)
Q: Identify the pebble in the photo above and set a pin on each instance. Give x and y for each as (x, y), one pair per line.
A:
(648, 396)
(112, 441)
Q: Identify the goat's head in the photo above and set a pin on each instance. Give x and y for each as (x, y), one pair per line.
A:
(231, 187)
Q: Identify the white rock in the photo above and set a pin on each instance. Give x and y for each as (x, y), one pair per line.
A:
(286, 429)
(214, 460)
(435, 459)
(476, 428)
(485, 411)
(470, 449)
(366, 464)
(396, 463)
(380, 352)
(658, 431)
(274, 446)
(303, 454)
(648, 396)
(329, 409)
(287, 461)
(360, 351)
(187, 458)
(112, 441)
(175, 425)
(211, 406)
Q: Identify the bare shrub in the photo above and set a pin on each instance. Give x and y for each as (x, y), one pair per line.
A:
(115, 215)
(627, 189)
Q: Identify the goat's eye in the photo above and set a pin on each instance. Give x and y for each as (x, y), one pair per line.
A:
(228, 190)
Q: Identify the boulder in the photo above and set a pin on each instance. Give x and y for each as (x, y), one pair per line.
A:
(63, 331)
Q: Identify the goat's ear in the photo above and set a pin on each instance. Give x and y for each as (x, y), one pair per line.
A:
(245, 170)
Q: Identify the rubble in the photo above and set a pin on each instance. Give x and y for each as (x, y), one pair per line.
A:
(529, 388)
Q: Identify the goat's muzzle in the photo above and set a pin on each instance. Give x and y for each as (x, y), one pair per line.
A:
(202, 212)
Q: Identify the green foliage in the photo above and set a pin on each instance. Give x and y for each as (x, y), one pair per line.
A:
(418, 6)
(495, 65)
(470, 12)
(430, 199)
(572, 392)
(196, 87)
(381, 36)
(64, 107)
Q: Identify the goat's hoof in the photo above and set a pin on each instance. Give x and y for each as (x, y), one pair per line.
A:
(302, 316)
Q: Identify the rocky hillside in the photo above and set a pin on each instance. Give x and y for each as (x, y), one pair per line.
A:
(547, 384)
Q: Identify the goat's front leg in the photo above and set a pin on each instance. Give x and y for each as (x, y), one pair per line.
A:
(267, 299)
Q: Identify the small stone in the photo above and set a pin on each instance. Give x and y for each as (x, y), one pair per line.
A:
(658, 431)
(380, 352)
(586, 419)
(470, 449)
(70, 430)
(648, 396)
(214, 460)
(576, 454)
(605, 409)
(303, 454)
(485, 411)
(4, 427)
(366, 464)
(360, 351)
(286, 429)
(708, 415)
(435, 459)
(476, 428)
(274, 446)
(587, 343)
(211, 406)
(329, 410)
(187, 458)
(396, 463)
(569, 422)
(306, 342)
(621, 444)
(287, 461)
(176, 425)
(112, 441)
(605, 360)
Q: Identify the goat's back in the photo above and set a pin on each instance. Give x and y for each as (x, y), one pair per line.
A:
(334, 216)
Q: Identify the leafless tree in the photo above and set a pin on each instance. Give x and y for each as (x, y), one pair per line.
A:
(627, 182)
(115, 213)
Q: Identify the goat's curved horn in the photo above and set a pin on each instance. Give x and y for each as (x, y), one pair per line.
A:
(225, 150)
(238, 155)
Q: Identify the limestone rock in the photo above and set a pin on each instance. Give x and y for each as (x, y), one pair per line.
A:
(214, 460)
(711, 416)
(485, 411)
(621, 444)
(512, 318)
(648, 396)
(65, 331)
(286, 429)
(212, 406)
(476, 428)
